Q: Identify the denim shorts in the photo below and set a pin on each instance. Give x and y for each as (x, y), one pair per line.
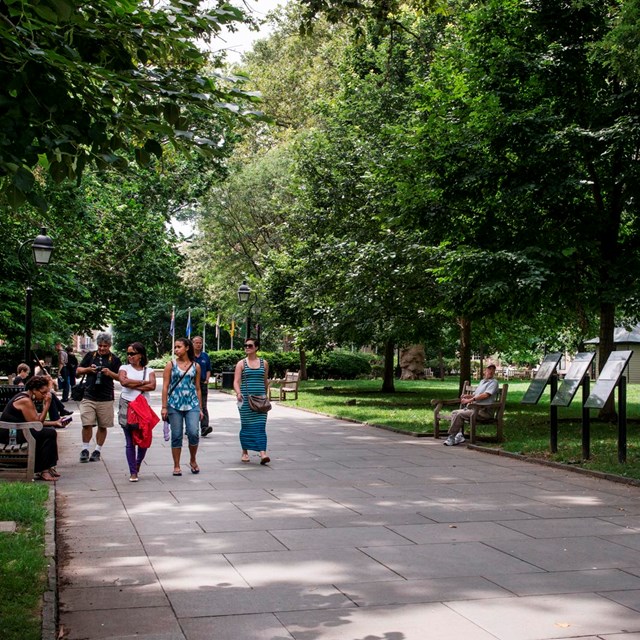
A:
(179, 420)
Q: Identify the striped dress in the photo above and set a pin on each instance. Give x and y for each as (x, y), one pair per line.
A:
(253, 433)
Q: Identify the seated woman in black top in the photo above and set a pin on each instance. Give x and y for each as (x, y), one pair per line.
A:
(56, 408)
(22, 408)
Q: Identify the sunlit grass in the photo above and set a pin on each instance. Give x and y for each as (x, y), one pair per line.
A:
(526, 426)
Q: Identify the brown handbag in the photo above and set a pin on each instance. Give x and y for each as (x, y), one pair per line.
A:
(261, 404)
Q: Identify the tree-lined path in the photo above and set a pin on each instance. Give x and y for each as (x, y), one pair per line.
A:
(351, 533)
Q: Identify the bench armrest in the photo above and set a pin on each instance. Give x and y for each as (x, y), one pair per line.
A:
(21, 426)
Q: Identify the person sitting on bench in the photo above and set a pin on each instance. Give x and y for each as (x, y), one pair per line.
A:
(485, 393)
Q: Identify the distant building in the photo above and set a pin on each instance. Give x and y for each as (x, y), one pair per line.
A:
(625, 340)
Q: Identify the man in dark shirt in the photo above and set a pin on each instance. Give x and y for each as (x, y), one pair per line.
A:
(96, 409)
(202, 358)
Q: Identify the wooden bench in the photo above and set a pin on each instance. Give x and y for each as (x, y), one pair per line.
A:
(496, 407)
(17, 461)
(288, 384)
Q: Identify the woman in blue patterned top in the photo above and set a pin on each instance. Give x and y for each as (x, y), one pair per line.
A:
(182, 402)
(251, 376)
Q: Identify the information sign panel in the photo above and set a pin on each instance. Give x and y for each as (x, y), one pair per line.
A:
(608, 379)
(573, 379)
(544, 372)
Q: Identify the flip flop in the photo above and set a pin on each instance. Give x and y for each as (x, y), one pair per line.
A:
(195, 469)
(49, 479)
(245, 458)
(265, 460)
(177, 473)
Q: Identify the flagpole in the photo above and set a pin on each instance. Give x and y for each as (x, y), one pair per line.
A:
(204, 330)
(173, 331)
(218, 330)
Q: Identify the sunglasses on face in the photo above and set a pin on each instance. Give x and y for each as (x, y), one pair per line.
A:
(132, 353)
(249, 346)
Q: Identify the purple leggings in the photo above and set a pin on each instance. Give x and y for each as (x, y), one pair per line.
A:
(130, 449)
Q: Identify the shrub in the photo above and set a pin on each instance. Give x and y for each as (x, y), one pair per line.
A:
(338, 365)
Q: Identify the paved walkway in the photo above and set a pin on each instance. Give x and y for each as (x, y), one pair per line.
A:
(352, 533)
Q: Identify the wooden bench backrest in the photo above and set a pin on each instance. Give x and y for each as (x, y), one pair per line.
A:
(501, 396)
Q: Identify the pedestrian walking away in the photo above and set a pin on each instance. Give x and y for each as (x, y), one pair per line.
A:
(182, 402)
(251, 376)
(202, 358)
(101, 368)
(136, 379)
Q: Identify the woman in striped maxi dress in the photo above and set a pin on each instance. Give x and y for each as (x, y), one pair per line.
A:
(251, 376)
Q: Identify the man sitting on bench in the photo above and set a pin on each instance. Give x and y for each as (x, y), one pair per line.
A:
(485, 393)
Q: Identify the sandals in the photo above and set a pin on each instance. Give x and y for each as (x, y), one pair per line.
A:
(265, 460)
(47, 476)
(194, 468)
(245, 457)
(177, 472)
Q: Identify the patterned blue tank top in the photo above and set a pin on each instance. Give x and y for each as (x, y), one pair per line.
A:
(184, 397)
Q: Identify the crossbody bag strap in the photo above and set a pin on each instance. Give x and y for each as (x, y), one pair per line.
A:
(173, 387)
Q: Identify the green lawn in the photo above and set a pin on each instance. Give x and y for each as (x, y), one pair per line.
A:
(22, 561)
(526, 426)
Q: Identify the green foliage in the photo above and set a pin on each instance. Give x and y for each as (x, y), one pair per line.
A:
(80, 84)
(338, 365)
(22, 561)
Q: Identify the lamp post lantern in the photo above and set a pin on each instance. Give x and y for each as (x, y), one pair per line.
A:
(42, 248)
(244, 296)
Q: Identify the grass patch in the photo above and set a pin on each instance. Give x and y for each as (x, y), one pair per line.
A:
(526, 426)
(22, 561)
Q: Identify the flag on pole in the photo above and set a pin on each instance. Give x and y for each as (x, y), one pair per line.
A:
(204, 330)
(188, 332)
(218, 327)
(233, 328)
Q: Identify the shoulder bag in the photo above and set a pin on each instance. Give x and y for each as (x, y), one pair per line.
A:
(257, 403)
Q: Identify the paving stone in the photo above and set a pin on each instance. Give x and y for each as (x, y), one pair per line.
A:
(566, 527)
(244, 627)
(546, 617)
(459, 532)
(234, 601)
(7, 526)
(448, 560)
(95, 598)
(416, 622)
(604, 580)
(341, 537)
(392, 592)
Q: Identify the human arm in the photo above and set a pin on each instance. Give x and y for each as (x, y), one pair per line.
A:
(29, 411)
(198, 389)
(166, 381)
(237, 379)
(266, 377)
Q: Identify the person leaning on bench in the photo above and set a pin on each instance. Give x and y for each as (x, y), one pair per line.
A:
(485, 393)
(22, 408)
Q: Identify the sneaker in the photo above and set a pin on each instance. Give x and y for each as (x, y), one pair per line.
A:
(65, 412)
(84, 455)
(206, 431)
(450, 441)
(95, 457)
(459, 439)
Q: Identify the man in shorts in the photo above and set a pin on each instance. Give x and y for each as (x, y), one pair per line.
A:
(96, 409)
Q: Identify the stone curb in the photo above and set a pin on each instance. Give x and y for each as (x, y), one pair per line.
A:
(50, 596)
(612, 477)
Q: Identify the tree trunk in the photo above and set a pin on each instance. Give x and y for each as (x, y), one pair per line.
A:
(303, 364)
(412, 362)
(605, 347)
(465, 351)
(388, 384)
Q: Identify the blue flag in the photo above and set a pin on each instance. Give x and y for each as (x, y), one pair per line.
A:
(172, 328)
(189, 324)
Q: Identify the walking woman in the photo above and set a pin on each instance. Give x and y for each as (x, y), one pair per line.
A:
(251, 376)
(182, 402)
(22, 408)
(135, 379)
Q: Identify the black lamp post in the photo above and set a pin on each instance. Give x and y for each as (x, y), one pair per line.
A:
(42, 248)
(244, 296)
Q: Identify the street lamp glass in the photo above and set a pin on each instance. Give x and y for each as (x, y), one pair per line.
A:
(244, 293)
(42, 248)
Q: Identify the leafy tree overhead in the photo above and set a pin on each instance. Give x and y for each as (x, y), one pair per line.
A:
(80, 84)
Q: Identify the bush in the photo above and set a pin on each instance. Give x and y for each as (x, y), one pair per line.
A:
(338, 365)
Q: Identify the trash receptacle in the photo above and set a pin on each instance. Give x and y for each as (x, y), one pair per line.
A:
(227, 379)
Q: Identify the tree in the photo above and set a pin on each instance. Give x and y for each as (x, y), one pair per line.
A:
(82, 84)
